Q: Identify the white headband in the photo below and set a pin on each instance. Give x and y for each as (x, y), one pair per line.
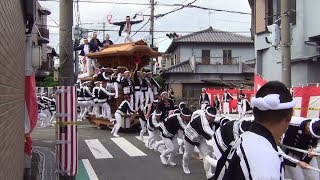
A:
(155, 112)
(311, 127)
(186, 114)
(271, 102)
(212, 115)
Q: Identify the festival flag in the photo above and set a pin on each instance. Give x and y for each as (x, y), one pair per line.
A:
(31, 110)
(258, 82)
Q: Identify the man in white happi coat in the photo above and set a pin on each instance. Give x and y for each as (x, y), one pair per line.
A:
(255, 154)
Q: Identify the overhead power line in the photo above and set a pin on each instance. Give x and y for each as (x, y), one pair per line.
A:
(158, 4)
(91, 29)
(176, 9)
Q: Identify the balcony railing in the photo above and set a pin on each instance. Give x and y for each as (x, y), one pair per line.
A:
(218, 60)
(43, 35)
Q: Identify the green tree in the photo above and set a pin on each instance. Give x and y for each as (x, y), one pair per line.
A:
(161, 81)
(48, 82)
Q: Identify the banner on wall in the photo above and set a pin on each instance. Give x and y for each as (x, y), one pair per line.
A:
(308, 101)
(258, 82)
(233, 92)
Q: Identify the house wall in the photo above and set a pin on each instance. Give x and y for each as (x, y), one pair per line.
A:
(177, 89)
(12, 52)
(245, 51)
(197, 78)
(268, 58)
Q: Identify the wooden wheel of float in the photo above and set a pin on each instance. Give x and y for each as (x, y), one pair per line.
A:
(125, 56)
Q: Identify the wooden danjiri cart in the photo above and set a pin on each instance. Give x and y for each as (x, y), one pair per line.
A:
(124, 55)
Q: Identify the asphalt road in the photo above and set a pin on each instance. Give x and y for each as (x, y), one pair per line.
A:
(130, 158)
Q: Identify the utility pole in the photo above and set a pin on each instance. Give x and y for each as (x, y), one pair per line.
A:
(285, 43)
(151, 64)
(104, 30)
(66, 68)
(152, 22)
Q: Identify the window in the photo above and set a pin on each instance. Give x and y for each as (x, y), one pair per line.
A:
(269, 12)
(227, 57)
(293, 11)
(175, 59)
(205, 56)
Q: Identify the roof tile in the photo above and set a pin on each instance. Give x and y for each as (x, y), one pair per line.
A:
(211, 35)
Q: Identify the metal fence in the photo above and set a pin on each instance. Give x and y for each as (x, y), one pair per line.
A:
(218, 60)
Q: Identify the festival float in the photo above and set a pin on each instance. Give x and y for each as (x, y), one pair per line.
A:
(126, 56)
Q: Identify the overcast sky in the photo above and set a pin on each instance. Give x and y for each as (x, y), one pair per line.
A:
(92, 15)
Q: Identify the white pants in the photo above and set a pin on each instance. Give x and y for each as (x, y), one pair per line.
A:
(88, 107)
(106, 110)
(96, 109)
(116, 127)
(172, 148)
(41, 116)
(127, 37)
(240, 111)
(46, 121)
(53, 118)
(90, 66)
(204, 150)
(138, 95)
(143, 125)
(114, 86)
(297, 173)
(82, 106)
(153, 136)
(203, 106)
(226, 108)
(149, 97)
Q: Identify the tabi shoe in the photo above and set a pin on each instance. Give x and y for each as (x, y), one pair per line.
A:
(163, 160)
(209, 175)
(116, 135)
(186, 169)
(171, 163)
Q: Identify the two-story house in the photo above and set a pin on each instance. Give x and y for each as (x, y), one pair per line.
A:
(40, 39)
(208, 58)
(305, 40)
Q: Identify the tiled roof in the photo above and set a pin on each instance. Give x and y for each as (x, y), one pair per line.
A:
(211, 35)
(183, 67)
(247, 69)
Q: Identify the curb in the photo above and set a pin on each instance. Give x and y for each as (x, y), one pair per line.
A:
(41, 164)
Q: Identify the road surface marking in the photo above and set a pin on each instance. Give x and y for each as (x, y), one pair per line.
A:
(92, 175)
(82, 172)
(97, 149)
(127, 147)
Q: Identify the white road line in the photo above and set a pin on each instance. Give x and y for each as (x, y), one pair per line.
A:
(97, 149)
(92, 175)
(127, 147)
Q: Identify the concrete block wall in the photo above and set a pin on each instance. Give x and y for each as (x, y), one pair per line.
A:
(12, 51)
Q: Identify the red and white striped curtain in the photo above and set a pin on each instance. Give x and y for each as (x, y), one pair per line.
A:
(308, 101)
(66, 130)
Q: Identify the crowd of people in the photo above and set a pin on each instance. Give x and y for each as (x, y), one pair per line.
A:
(94, 45)
(242, 102)
(272, 144)
(46, 109)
